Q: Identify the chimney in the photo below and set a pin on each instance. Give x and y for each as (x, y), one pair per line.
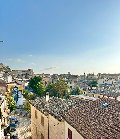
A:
(47, 96)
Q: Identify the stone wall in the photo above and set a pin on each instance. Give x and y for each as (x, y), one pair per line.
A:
(38, 130)
(56, 128)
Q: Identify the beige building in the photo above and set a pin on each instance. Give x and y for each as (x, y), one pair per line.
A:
(39, 124)
(71, 133)
(3, 112)
(45, 126)
(22, 73)
(56, 128)
(85, 118)
(0, 128)
(3, 106)
(48, 122)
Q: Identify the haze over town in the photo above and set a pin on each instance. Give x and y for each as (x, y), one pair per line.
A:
(75, 36)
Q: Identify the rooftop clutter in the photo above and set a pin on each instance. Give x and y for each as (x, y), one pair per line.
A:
(56, 106)
(93, 119)
(95, 122)
(105, 92)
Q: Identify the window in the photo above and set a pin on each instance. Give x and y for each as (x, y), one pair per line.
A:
(69, 134)
(36, 114)
(42, 137)
(0, 114)
(36, 130)
(42, 120)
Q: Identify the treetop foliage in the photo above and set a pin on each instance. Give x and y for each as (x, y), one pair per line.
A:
(37, 85)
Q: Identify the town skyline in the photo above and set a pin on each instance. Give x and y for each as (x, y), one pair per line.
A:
(49, 69)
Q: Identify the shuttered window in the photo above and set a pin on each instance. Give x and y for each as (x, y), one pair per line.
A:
(36, 130)
(42, 120)
(35, 114)
(42, 137)
(69, 134)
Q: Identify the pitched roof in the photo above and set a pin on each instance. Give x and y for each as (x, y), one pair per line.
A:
(95, 121)
(56, 106)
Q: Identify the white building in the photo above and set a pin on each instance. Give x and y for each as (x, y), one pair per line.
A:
(106, 81)
(72, 84)
(8, 78)
(2, 75)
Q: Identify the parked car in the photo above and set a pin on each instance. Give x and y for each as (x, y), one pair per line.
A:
(13, 120)
(12, 127)
(14, 137)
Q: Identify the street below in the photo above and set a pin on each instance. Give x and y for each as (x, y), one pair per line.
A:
(23, 126)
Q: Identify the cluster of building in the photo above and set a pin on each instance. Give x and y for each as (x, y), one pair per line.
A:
(82, 81)
(93, 115)
(9, 75)
(103, 80)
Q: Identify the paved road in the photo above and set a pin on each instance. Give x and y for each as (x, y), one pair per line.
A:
(23, 127)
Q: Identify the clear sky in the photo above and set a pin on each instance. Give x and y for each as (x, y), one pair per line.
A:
(72, 35)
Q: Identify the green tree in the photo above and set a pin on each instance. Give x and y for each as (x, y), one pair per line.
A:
(11, 103)
(11, 90)
(75, 91)
(61, 88)
(51, 89)
(93, 83)
(25, 93)
(27, 106)
(28, 95)
(37, 85)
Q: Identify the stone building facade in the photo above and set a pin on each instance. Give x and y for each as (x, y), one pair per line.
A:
(73, 118)
(39, 124)
(45, 126)
(56, 128)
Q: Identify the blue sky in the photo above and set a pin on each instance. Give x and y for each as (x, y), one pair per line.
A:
(72, 35)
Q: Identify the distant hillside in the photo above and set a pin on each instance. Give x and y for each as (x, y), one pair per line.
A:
(4, 68)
